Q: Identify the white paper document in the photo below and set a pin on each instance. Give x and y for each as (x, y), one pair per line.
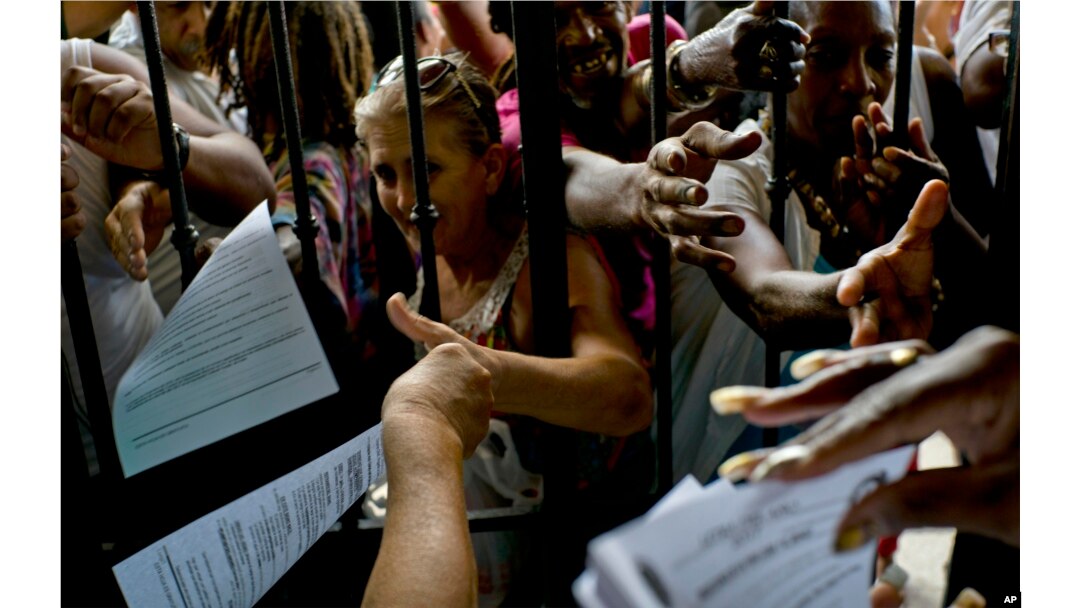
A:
(232, 556)
(766, 545)
(238, 349)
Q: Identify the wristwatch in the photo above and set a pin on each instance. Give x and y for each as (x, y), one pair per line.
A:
(183, 144)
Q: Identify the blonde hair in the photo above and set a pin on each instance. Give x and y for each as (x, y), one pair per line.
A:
(476, 122)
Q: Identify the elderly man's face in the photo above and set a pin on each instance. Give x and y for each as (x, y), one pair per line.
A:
(849, 63)
(592, 42)
(182, 28)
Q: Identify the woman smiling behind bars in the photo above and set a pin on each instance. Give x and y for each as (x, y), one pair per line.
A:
(481, 246)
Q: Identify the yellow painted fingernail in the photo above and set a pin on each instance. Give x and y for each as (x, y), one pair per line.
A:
(735, 399)
(779, 460)
(809, 363)
(902, 357)
(851, 538)
(738, 467)
(969, 598)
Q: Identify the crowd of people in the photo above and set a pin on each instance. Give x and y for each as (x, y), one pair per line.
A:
(884, 259)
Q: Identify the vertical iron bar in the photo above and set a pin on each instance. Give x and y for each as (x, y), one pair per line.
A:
(779, 188)
(902, 93)
(424, 214)
(306, 224)
(543, 181)
(896, 215)
(1012, 73)
(661, 263)
(541, 159)
(184, 234)
(1004, 232)
(93, 383)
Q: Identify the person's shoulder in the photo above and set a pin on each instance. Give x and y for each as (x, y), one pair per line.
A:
(936, 68)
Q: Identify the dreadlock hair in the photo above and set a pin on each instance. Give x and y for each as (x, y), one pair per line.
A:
(332, 65)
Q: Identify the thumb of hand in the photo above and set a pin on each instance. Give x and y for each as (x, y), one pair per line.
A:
(417, 327)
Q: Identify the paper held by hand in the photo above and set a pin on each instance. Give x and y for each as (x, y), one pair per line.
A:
(768, 544)
(237, 350)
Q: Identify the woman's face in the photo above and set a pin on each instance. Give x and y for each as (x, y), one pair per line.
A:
(459, 183)
(849, 63)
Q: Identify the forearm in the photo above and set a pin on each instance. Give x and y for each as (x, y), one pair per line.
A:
(468, 25)
(602, 393)
(226, 178)
(600, 192)
(426, 557)
(90, 19)
(795, 310)
(789, 308)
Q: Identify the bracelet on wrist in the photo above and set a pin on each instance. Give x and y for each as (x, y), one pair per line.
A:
(681, 94)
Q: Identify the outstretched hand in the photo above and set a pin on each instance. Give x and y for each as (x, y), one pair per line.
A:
(971, 392)
(887, 292)
(880, 180)
(672, 191)
(135, 226)
(112, 115)
(419, 328)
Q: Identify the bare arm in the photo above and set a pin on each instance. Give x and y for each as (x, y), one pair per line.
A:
(601, 388)
(225, 174)
(90, 19)
(469, 26)
(791, 308)
(886, 295)
(433, 417)
(661, 195)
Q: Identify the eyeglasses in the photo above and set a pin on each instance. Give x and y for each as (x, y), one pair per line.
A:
(430, 70)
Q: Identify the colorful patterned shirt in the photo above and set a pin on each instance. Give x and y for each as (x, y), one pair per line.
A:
(337, 188)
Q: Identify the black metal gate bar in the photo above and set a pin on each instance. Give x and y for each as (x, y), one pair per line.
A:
(902, 92)
(543, 179)
(541, 158)
(90, 374)
(1005, 231)
(184, 234)
(306, 224)
(779, 188)
(661, 263)
(424, 214)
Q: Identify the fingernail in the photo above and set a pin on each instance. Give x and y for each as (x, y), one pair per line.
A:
(738, 467)
(890, 153)
(690, 194)
(903, 357)
(732, 225)
(969, 598)
(725, 266)
(734, 399)
(810, 363)
(131, 260)
(78, 129)
(779, 460)
(851, 538)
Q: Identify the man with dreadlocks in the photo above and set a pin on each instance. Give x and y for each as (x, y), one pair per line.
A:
(332, 66)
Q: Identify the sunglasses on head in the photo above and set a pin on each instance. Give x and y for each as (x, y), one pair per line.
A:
(430, 71)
